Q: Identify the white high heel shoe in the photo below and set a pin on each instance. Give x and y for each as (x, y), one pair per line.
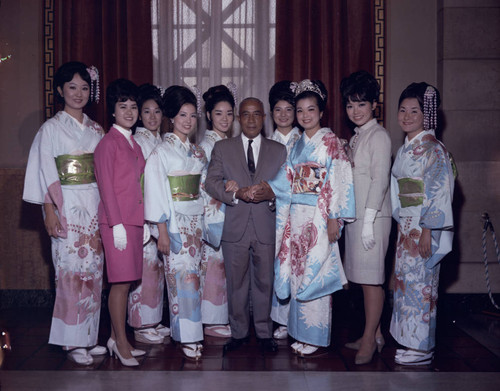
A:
(128, 362)
(134, 352)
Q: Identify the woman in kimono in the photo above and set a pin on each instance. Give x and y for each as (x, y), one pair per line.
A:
(314, 192)
(368, 237)
(282, 104)
(219, 109)
(173, 201)
(145, 301)
(119, 168)
(421, 193)
(60, 177)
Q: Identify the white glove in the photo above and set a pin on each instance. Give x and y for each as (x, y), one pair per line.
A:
(147, 234)
(119, 237)
(367, 236)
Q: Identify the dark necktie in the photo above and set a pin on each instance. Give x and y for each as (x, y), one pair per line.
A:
(251, 162)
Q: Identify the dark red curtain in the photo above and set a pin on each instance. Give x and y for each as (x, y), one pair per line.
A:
(326, 40)
(113, 35)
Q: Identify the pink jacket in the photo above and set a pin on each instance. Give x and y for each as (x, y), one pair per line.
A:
(118, 171)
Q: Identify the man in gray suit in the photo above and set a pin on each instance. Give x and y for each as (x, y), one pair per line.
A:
(249, 225)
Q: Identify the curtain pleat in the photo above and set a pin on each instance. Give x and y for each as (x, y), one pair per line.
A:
(326, 40)
(113, 35)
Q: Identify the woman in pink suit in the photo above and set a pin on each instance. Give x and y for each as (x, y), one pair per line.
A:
(119, 165)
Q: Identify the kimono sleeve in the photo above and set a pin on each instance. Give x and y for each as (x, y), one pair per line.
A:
(41, 184)
(158, 203)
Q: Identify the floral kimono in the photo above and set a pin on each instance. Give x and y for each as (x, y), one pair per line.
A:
(281, 308)
(145, 302)
(61, 171)
(314, 185)
(421, 194)
(173, 195)
(213, 275)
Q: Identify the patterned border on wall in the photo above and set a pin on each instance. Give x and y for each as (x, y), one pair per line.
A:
(380, 57)
(48, 58)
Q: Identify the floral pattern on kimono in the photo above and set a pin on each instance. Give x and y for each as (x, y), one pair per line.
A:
(145, 301)
(315, 184)
(77, 254)
(187, 225)
(281, 308)
(421, 193)
(214, 308)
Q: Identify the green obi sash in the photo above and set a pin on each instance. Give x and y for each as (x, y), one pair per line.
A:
(411, 192)
(185, 187)
(75, 169)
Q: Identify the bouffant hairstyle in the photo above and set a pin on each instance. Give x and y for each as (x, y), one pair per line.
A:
(215, 95)
(120, 90)
(321, 102)
(174, 98)
(65, 74)
(146, 92)
(360, 86)
(281, 91)
(417, 90)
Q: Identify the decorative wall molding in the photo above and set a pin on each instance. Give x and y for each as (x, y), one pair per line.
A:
(48, 58)
(380, 56)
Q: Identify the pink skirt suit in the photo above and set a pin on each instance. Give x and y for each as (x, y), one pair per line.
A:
(118, 171)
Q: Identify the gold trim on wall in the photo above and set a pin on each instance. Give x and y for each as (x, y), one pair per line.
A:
(48, 58)
(380, 57)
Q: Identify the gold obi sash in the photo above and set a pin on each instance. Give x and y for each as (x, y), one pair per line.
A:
(308, 178)
(185, 187)
(75, 169)
(411, 192)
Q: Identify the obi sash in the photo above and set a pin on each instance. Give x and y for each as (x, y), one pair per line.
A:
(411, 192)
(185, 187)
(75, 169)
(308, 178)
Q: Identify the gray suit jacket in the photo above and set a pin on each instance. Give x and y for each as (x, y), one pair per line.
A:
(228, 162)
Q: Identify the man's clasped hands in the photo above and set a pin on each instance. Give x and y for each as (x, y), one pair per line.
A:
(255, 193)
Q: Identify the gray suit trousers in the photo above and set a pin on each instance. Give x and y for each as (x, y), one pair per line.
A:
(249, 270)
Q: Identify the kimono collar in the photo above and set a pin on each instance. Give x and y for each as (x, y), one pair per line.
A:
(419, 136)
(214, 134)
(186, 144)
(320, 133)
(365, 127)
(148, 132)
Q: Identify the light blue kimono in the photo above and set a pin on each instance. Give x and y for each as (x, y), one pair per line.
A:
(314, 185)
(421, 195)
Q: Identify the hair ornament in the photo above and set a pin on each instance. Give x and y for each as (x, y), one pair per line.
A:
(196, 91)
(233, 89)
(162, 90)
(94, 83)
(430, 108)
(306, 85)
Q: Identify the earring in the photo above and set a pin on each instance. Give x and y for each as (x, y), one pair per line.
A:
(172, 120)
(113, 115)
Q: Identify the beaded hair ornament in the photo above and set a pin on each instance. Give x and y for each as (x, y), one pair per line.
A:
(233, 89)
(196, 91)
(94, 83)
(306, 85)
(430, 108)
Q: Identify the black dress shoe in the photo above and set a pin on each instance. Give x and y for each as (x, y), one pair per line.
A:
(268, 345)
(234, 344)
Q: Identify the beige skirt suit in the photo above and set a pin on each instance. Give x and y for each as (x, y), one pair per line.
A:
(371, 147)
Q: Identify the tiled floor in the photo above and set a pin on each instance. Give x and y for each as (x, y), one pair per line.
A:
(457, 351)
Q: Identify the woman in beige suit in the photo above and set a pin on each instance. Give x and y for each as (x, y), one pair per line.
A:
(367, 238)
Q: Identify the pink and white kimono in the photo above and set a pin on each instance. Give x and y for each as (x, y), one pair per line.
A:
(60, 171)
(145, 301)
